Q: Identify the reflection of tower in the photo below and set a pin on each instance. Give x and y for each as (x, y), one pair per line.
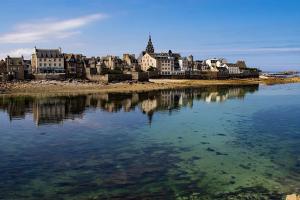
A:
(148, 107)
(150, 117)
(150, 48)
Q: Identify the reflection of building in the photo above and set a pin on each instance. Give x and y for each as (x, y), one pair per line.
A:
(48, 111)
(54, 110)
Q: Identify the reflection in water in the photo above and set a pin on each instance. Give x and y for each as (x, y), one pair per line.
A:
(53, 110)
(215, 151)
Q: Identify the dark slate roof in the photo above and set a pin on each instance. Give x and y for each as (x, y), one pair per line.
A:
(48, 53)
(231, 65)
(165, 55)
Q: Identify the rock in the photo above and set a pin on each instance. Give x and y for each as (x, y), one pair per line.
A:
(293, 197)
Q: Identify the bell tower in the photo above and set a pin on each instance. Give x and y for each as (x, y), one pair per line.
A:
(150, 48)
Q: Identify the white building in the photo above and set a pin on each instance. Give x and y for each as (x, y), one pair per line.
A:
(213, 64)
(232, 68)
(183, 64)
(47, 61)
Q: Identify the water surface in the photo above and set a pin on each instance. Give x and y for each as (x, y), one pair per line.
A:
(237, 142)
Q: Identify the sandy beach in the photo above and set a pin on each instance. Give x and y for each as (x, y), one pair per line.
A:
(63, 87)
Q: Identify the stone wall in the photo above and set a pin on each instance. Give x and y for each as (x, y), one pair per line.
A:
(153, 74)
(61, 76)
(117, 77)
(140, 76)
(108, 78)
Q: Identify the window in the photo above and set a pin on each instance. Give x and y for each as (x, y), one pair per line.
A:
(44, 64)
(45, 59)
(40, 60)
(54, 64)
(40, 64)
(54, 59)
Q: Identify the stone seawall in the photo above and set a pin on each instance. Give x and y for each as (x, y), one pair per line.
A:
(210, 76)
(61, 76)
(140, 76)
(108, 78)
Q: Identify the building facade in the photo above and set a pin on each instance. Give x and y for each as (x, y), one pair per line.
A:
(15, 67)
(45, 61)
(130, 62)
(74, 65)
(112, 62)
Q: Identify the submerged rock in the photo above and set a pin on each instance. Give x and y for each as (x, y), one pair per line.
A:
(293, 197)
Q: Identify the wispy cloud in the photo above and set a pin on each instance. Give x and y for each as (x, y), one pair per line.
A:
(48, 29)
(26, 52)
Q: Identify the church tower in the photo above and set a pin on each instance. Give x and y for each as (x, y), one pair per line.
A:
(150, 48)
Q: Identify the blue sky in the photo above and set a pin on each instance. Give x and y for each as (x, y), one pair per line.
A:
(265, 33)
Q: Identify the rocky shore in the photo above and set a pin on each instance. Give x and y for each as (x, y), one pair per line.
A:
(80, 86)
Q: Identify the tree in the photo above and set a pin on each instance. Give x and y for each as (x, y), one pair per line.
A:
(151, 69)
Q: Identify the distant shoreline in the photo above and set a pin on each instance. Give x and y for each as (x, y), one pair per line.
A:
(82, 87)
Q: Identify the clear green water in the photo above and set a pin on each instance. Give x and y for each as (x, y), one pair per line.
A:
(238, 142)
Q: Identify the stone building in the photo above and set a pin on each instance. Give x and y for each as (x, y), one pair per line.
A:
(15, 67)
(130, 62)
(2, 67)
(183, 64)
(27, 69)
(112, 62)
(232, 68)
(46, 61)
(74, 65)
(164, 63)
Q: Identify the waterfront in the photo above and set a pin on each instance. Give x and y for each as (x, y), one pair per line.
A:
(218, 142)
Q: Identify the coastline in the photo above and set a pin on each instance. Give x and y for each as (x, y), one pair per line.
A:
(84, 87)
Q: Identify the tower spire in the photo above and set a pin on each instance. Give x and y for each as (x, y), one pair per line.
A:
(150, 48)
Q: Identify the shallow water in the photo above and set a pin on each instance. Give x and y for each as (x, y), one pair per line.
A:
(237, 142)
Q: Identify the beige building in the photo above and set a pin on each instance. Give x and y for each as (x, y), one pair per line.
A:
(47, 61)
(112, 62)
(162, 62)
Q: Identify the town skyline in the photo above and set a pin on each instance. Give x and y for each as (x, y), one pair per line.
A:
(205, 29)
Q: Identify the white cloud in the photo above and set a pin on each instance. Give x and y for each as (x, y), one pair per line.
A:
(26, 52)
(48, 29)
